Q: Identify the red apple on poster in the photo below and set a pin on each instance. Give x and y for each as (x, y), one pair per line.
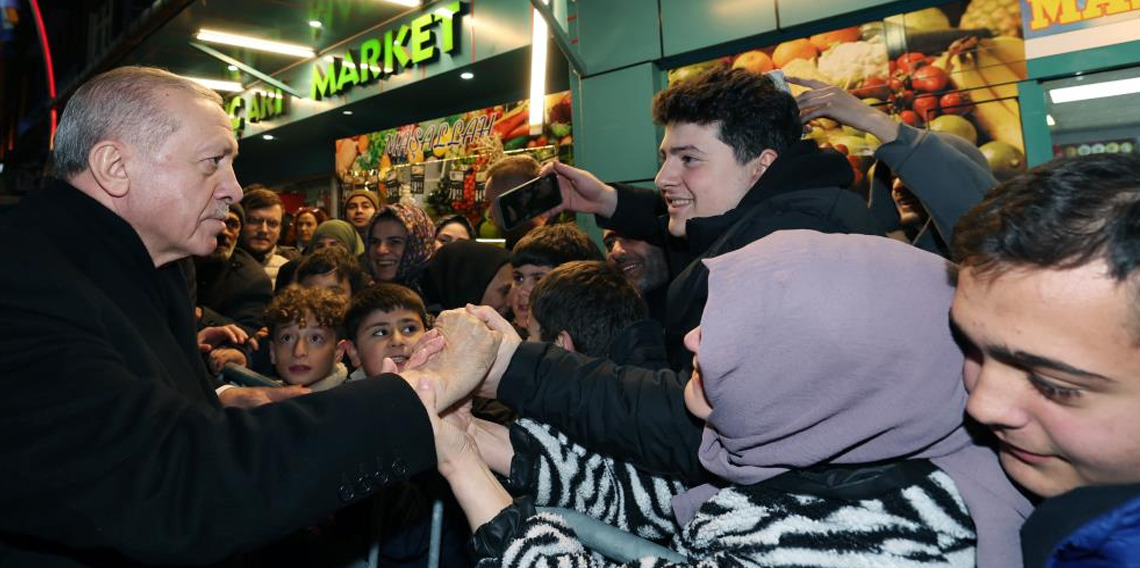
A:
(956, 103)
(909, 117)
(927, 107)
(929, 79)
(908, 62)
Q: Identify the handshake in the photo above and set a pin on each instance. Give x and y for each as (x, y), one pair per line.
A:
(464, 355)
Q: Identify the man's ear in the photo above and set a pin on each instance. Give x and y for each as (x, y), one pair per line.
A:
(761, 163)
(563, 340)
(350, 349)
(107, 162)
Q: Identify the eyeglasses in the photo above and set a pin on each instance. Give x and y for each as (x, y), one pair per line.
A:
(258, 221)
(233, 224)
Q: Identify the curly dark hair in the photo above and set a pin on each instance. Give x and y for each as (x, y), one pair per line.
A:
(295, 304)
(383, 297)
(752, 113)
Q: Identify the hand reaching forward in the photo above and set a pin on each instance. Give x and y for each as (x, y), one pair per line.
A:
(837, 104)
(489, 388)
(460, 366)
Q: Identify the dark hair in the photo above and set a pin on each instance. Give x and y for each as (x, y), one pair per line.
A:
(456, 219)
(552, 245)
(329, 259)
(382, 297)
(291, 305)
(318, 214)
(1062, 214)
(590, 300)
(752, 113)
(260, 198)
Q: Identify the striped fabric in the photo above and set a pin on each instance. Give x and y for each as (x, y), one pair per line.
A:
(923, 525)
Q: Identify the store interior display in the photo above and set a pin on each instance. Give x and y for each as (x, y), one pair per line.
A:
(950, 68)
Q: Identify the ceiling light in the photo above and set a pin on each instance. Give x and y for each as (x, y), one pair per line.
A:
(347, 113)
(232, 67)
(409, 3)
(254, 43)
(267, 136)
(466, 75)
(1049, 120)
(537, 70)
(218, 85)
(330, 58)
(314, 23)
(1095, 90)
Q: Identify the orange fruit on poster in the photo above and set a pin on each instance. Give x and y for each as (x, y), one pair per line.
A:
(791, 50)
(755, 61)
(825, 40)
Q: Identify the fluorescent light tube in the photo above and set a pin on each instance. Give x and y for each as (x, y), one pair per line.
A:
(537, 71)
(1095, 90)
(217, 85)
(213, 36)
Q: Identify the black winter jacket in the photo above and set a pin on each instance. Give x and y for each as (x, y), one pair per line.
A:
(803, 189)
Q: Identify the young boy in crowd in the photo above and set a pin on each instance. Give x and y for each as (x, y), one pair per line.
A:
(539, 252)
(592, 308)
(332, 268)
(384, 321)
(304, 330)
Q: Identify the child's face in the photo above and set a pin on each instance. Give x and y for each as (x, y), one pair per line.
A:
(523, 280)
(385, 334)
(304, 355)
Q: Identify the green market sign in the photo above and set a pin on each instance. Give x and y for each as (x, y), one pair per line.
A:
(255, 107)
(416, 43)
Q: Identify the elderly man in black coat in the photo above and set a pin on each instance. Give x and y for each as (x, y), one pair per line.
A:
(114, 448)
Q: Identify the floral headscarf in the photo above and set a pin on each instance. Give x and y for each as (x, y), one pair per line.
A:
(420, 242)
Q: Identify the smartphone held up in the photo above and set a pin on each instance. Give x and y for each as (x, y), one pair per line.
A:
(529, 200)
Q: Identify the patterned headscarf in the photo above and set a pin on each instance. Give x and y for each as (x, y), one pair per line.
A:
(419, 245)
(819, 348)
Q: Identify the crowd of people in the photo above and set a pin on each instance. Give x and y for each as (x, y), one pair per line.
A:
(759, 367)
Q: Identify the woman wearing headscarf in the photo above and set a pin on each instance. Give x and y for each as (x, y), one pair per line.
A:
(453, 228)
(400, 243)
(333, 232)
(832, 395)
(467, 272)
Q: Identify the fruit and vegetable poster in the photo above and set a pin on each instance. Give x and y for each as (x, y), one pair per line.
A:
(440, 163)
(951, 68)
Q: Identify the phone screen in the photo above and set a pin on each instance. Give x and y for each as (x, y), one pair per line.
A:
(528, 200)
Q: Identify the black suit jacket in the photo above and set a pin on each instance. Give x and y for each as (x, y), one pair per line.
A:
(236, 289)
(114, 449)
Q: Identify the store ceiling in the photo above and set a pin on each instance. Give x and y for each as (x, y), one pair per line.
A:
(276, 20)
(1094, 114)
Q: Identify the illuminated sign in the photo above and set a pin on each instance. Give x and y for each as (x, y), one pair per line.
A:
(1047, 13)
(254, 107)
(418, 42)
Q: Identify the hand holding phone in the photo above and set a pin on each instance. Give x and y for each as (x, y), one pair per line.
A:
(529, 200)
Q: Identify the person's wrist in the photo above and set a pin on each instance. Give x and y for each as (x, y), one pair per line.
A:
(459, 466)
(609, 201)
(883, 128)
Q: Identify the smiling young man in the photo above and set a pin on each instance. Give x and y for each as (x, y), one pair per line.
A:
(733, 170)
(1048, 303)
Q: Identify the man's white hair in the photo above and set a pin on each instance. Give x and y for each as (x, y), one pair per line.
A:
(122, 105)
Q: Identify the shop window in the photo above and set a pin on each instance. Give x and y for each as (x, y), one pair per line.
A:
(1094, 113)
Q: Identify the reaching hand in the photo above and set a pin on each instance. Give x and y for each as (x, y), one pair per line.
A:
(838, 104)
(210, 338)
(452, 443)
(507, 347)
(222, 355)
(250, 397)
(581, 191)
(458, 368)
